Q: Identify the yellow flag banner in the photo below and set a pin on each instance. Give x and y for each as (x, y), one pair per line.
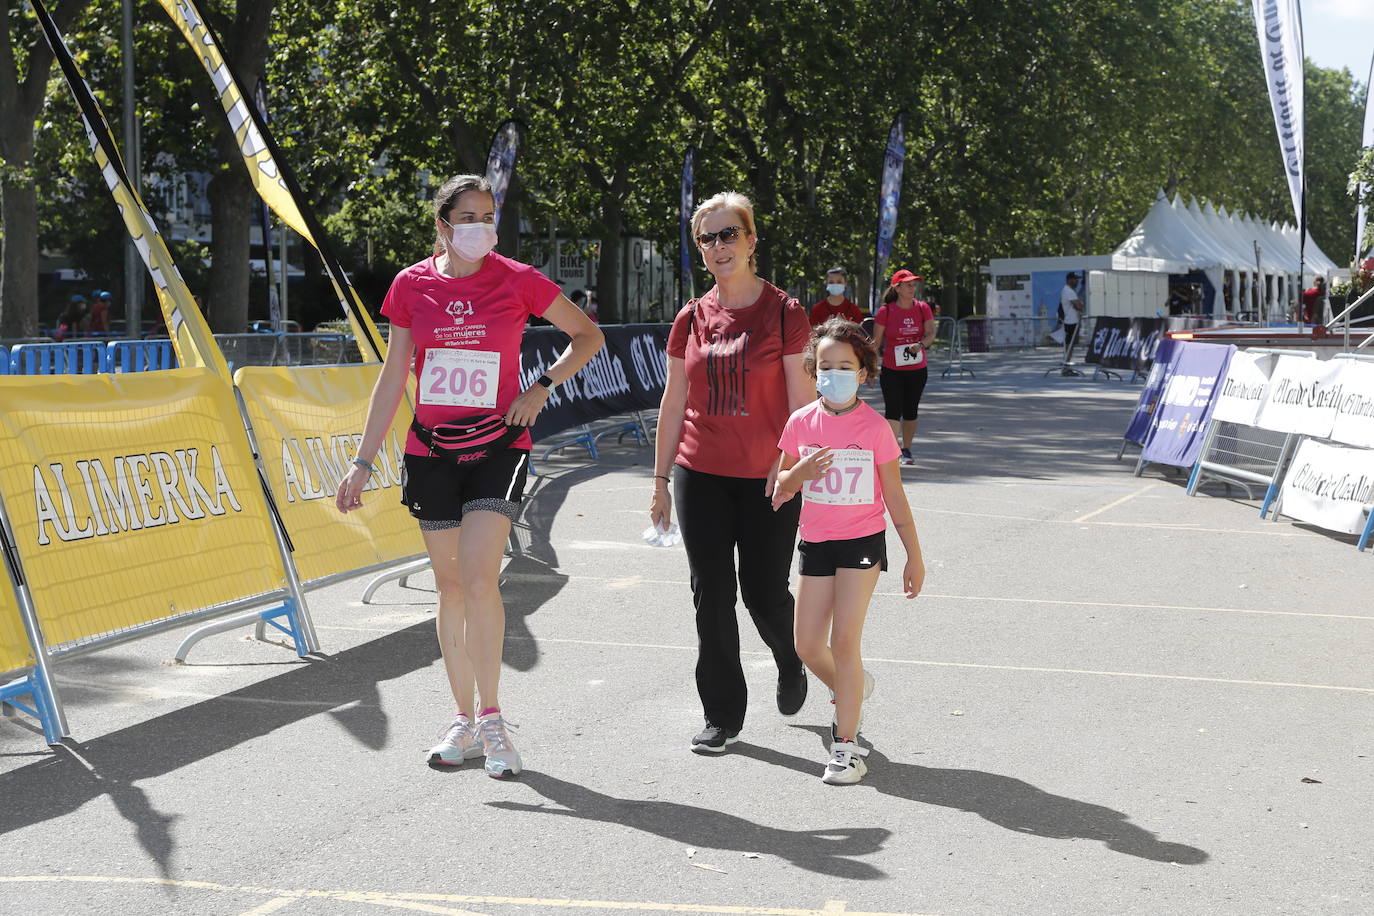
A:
(133, 498)
(15, 651)
(270, 173)
(190, 334)
(308, 421)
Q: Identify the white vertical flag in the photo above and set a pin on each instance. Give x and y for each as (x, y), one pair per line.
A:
(1366, 141)
(1279, 24)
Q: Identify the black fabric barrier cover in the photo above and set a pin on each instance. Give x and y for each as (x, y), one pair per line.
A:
(627, 374)
(1130, 343)
(1124, 343)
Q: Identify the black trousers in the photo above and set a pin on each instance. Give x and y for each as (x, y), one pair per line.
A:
(720, 516)
(1070, 338)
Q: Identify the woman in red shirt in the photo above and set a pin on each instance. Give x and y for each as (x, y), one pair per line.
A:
(459, 315)
(903, 328)
(735, 375)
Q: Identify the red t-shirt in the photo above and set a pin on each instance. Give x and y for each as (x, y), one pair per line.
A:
(848, 501)
(736, 389)
(901, 329)
(823, 311)
(1311, 299)
(467, 334)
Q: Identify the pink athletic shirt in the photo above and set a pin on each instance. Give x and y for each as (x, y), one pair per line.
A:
(902, 328)
(847, 502)
(467, 333)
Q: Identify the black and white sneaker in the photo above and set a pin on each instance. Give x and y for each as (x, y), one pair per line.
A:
(906, 460)
(791, 692)
(846, 765)
(713, 739)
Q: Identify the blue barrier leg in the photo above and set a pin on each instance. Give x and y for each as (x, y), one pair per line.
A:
(33, 686)
(292, 626)
(1192, 478)
(1268, 499)
(1368, 530)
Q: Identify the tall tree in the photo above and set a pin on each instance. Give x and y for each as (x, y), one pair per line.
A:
(25, 64)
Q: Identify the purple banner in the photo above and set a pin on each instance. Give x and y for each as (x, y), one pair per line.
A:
(688, 204)
(889, 197)
(1185, 403)
(1149, 395)
(505, 146)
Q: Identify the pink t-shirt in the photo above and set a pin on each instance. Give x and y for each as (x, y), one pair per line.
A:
(902, 328)
(847, 502)
(467, 334)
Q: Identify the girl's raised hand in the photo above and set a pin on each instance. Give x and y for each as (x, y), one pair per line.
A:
(813, 465)
(913, 577)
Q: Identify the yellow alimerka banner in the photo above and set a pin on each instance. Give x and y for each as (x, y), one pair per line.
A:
(308, 421)
(271, 178)
(191, 336)
(15, 651)
(133, 498)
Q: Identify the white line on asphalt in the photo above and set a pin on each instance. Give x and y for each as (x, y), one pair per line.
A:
(271, 906)
(977, 665)
(1261, 530)
(1113, 504)
(419, 901)
(615, 582)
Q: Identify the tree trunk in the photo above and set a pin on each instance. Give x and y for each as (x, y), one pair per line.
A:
(608, 304)
(231, 210)
(19, 294)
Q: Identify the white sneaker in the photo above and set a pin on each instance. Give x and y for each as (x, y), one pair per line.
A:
(458, 742)
(869, 684)
(503, 759)
(846, 765)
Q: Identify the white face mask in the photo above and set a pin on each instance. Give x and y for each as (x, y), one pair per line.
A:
(835, 289)
(472, 241)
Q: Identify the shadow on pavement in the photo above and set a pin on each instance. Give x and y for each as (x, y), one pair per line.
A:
(1003, 800)
(829, 852)
(344, 685)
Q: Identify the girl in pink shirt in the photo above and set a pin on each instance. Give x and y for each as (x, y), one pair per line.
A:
(842, 457)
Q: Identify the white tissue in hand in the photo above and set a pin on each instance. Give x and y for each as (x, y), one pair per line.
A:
(658, 536)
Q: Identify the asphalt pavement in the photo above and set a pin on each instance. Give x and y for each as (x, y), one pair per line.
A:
(1110, 697)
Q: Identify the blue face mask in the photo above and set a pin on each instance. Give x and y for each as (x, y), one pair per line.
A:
(838, 386)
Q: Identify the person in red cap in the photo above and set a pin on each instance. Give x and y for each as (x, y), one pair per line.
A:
(902, 329)
(835, 302)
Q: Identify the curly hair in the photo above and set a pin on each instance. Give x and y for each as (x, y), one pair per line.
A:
(842, 329)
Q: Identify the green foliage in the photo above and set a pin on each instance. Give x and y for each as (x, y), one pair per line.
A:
(1036, 127)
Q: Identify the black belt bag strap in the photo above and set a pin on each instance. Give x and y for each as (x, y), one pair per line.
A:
(470, 441)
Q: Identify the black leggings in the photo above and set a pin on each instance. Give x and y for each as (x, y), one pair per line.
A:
(902, 389)
(719, 515)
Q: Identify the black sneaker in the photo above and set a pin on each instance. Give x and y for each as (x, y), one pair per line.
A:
(791, 692)
(713, 739)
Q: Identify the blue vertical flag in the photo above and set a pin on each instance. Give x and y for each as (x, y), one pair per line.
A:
(889, 197)
(688, 204)
(505, 146)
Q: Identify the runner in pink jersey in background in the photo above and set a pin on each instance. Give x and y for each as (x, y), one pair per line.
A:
(460, 315)
(842, 457)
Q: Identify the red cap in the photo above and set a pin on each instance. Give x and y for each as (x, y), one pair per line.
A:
(903, 276)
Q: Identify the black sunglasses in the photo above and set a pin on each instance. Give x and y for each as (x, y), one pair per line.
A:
(726, 236)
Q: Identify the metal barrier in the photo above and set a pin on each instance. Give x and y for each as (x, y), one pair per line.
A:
(316, 349)
(983, 335)
(1243, 455)
(140, 355)
(85, 357)
(1277, 501)
(248, 349)
(4, 361)
(954, 351)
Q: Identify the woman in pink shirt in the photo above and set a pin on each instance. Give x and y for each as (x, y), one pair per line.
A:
(459, 316)
(843, 458)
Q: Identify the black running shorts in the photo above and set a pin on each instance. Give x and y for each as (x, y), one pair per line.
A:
(440, 490)
(822, 558)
